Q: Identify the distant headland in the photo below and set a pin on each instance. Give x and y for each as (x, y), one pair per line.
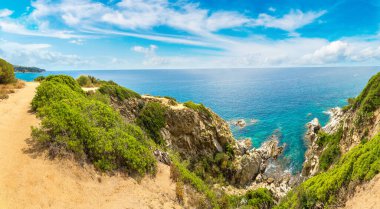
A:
(23, 69)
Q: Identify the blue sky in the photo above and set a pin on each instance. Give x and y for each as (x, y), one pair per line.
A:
(149, 34)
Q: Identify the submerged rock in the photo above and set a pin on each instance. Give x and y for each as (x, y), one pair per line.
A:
(240, 123)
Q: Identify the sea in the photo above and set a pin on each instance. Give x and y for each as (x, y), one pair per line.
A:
(271, 100)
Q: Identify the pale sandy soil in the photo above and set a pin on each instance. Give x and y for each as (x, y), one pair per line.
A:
(29, 180)
(366, 196)
(163, 100)
(90, 88)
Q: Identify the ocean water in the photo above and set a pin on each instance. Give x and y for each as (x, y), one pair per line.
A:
(281, 99)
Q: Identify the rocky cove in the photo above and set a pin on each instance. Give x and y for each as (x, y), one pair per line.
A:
(196, 135)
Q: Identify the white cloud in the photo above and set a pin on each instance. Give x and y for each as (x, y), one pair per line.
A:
(5, 13)
(344, 51)
(272, 9)
(145, 50)
(292, 21)
(151, 59)
(77, 41)
(37, 55)
(333, 52)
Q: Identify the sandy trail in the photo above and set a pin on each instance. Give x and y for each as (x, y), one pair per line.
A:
(31, 181)
(366, 196)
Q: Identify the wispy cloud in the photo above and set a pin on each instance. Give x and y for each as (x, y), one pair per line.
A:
(38, 54)
(290, 22)
(138, 18)
(5, 12)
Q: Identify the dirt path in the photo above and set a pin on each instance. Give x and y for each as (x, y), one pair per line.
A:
(366, 196)
(29, 181)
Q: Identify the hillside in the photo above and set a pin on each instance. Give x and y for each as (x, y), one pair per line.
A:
(43, 183)
(342, 156)
(23, 69)
(109, 147)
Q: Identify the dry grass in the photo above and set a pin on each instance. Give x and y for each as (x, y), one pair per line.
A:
(6, 89)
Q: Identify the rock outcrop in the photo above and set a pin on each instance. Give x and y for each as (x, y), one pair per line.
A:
(196, 135)
(311, 164)
(252, 163)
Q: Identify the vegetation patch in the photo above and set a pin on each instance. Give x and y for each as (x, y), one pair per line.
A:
(152, 120)
(6, 89)
(260, 198)
(360, 164)
(39, 78)
(88, 128)
(7, 74)
(367, 102)
(198, 108)
(330, 144)
(88, 81)
(118, 92)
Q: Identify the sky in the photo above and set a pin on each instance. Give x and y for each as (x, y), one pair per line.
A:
(169, 34)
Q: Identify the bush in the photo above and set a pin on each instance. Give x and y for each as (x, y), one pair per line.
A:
(152, 119)
(84, 81)
(89, 129)
(39, 78)
(180, 192)
(198, 108)
(7, 74)
(181, 173)
(368, 100)
(360, 164)
(331, 150)
(65, 79)
(118, 92)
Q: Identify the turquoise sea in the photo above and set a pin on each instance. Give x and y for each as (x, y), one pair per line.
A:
(282, 99)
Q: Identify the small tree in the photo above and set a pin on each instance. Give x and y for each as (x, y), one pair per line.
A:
(7, 73)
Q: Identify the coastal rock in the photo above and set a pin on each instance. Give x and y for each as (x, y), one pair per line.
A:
(195, 136)
(336, 116)
(240, 123)
(270, 148)
(311, 163)
(254, 162)
(244, 145)
(246, 168)
(313, 152)
(161, 156)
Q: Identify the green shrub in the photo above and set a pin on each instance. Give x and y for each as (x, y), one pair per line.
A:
(331, 150)
(7, 73)
(89, 129)
(152, 119)
(39, 78)
(118, 92)
(84, 81)
(198, 108)
(181, 173)
(96, 95)
(50, 91)
(361, 163)
(368, 100)
(65, 79)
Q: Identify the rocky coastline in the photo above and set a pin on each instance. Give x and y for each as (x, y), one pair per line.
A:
(314, 151)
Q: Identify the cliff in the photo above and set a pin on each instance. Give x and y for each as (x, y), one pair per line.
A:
(197, 133)
(342, 155)
(357, 122)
